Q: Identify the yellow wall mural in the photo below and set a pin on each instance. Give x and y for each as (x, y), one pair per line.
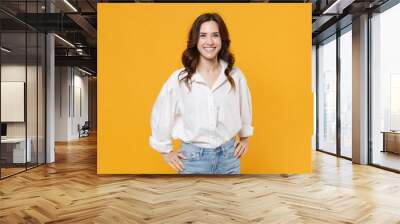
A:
(141, 44)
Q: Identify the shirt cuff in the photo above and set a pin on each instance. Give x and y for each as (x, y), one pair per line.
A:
(246, 131)
(162, 147)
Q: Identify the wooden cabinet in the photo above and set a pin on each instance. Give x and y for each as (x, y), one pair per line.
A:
(391, 142)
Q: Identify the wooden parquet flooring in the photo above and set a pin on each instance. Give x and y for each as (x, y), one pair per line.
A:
(70, 191)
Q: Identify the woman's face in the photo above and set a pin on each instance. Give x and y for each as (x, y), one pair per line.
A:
(209, 43)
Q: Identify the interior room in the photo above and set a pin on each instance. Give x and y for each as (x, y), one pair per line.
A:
(51, 125)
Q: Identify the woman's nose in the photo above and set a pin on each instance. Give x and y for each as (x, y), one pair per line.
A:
(209, 40)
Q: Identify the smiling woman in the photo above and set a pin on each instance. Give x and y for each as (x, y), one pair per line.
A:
(205, 105)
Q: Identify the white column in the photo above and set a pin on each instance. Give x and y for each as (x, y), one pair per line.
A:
(50, 110)
(50, 92)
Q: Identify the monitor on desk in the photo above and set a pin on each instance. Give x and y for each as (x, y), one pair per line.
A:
(3, 130)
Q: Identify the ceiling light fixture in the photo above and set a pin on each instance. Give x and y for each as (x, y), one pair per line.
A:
(70, 5)
(5, 50)
(64, 40)
(337, 7)
(84, 71)
(79, 51)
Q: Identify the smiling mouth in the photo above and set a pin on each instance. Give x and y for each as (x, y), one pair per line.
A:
(209, 49)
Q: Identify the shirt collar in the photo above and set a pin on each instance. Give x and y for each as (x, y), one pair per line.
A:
(220, 80)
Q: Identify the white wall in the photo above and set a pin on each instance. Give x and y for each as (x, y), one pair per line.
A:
(81, 84)
(16, 73)
(62, 80)
(71, 93)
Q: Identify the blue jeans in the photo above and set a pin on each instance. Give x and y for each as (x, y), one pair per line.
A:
(220, 160)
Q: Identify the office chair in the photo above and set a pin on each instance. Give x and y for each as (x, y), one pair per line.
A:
(84, 130)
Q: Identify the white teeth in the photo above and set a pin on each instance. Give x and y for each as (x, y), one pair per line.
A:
(209, 48)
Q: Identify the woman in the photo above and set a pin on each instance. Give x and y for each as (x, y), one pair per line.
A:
(205, 105)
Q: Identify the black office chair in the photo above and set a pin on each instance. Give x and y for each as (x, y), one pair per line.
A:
(84, 130)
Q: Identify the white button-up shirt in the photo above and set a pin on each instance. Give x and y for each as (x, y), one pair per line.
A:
(204, 117)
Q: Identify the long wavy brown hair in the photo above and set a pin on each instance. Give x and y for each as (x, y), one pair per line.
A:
(191, 56)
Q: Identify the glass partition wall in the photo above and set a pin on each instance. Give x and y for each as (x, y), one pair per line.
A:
(13, 91)
(345, 62)
(327, 95)
(334, 75)
(22, 88)
(385, 89)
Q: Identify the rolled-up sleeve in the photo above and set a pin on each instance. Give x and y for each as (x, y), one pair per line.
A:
(245, 109)
(162, 119)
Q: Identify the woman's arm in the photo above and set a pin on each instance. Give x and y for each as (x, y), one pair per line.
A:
(245, 109)
(162, 122)
(246, 131)
(162, 119)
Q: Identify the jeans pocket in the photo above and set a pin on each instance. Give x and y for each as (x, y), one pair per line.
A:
(229, 152)
(191, 153)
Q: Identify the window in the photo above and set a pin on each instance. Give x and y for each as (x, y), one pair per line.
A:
(385, 88)
(327, 95)
(346, 93)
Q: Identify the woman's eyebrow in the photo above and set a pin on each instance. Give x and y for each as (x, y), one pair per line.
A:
(210, 32)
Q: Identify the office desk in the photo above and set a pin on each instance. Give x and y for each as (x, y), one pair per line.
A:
(391, 141)
(13, 150)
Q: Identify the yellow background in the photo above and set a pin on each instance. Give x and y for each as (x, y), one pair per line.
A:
(140, 45)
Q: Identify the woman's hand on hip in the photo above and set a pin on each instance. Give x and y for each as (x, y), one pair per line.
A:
(241, 147)
(174, 160)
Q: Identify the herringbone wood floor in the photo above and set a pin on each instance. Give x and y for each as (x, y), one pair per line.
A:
(69, 191)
